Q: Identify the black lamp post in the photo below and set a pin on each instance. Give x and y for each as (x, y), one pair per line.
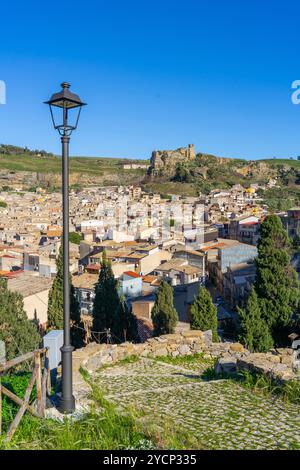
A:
(71, 106)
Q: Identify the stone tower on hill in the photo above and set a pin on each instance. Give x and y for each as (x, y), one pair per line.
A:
(165, 161)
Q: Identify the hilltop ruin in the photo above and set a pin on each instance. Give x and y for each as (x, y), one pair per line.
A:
(165, 161)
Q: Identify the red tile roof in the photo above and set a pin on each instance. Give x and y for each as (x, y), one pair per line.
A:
(249, 223)
(94, 266)
(131, 274)
(211, 247)
(10, 274)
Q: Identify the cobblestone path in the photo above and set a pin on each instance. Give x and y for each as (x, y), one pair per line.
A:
(219, 413)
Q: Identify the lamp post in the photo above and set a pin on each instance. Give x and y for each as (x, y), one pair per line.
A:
(71, 105)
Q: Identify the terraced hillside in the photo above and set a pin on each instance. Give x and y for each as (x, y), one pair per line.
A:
(218, 414)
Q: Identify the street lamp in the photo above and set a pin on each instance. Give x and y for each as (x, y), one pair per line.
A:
(71, 106)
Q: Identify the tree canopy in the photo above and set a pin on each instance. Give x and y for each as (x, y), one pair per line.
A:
(276, 282)
(18, 333)
(255, 333)
(110, 310)
(75, 237)
(204, 313)
(55, 306)
(164, 315)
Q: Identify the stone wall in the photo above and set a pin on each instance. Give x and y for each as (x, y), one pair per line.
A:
(231, 357)
(94, 356)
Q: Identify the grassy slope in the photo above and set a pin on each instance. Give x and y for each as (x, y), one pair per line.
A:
(87, 165)
(281, 161)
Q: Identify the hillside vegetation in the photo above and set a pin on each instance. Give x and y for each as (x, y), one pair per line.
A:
(205, 173)
(43, 162)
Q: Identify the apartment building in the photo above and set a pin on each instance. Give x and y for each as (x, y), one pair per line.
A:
(226, 254)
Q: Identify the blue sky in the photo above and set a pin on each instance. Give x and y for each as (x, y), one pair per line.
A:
(155, 74)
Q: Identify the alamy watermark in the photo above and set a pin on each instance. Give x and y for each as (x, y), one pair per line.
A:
(2, 92)
(296, 94)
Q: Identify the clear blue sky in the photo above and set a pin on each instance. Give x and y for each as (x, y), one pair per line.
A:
(155, 74)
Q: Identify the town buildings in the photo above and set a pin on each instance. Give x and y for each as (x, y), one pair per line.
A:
(205, 240)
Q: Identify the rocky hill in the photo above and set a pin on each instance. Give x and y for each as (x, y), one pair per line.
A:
(203, 172)
(163, 162)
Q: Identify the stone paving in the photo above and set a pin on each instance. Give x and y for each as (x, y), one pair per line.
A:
(219, 413)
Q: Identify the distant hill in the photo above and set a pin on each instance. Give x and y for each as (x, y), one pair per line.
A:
(23, 159)
(206, 172)
(201, 174)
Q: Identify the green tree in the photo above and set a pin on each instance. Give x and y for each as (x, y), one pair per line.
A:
(125, 323)
(255, 333)
(182, 174)
(204, 313)
(164, 315)
(55, 306)
(107, 301)
(18, 333)
(75, 237)
(110, 310)
(3, 204)
(296, 243)
(276, 282)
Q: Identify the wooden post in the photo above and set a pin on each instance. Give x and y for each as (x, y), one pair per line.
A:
(46, 379)
(39, 395)
(47, 366)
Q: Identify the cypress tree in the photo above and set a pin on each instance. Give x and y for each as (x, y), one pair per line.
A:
(55, 297)
(276, 282)
(125, 324)
(77, 325)
(110, 311)
(164, 315)
(18, 333)
(204, 313)
(55, 306)
(255, 333)
(107, 301)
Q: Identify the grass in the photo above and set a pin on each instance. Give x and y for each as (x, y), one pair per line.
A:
(189, 361)
(16, 383)
(105, 427)
(168, 188)
(96, 431)
(258, 383)
(281, 161)
(127, 360)
(288, 391)
(88, 165)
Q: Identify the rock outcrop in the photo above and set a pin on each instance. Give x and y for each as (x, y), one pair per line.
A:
(165, 161)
